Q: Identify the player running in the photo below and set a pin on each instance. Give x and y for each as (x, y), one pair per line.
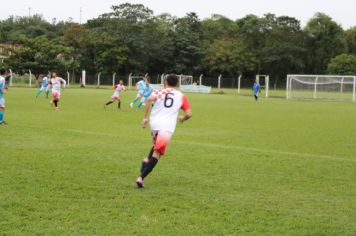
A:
(163, 119)
(2, 98)
(55, 84)
(256, 90)
(116, 96)
(44, 86)
(140, 86)
(146, 92)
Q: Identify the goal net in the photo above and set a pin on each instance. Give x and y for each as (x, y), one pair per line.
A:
(133, 79)
(183, 79)
(329, 87)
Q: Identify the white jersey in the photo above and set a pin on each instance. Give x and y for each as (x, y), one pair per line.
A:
(118, 88)
(56, 84)
(165, 111)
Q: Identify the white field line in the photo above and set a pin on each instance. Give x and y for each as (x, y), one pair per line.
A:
(212, 145)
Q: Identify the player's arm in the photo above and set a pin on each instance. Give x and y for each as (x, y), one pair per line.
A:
(187, 111)
(64, 83)
(149, 101)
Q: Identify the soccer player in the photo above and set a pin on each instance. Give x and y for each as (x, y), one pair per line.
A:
(256, 90)
(163, 119)
(55, 84)
(140, 86)
(44, 86)
(116, 96)
(2, 92)
(147, 90)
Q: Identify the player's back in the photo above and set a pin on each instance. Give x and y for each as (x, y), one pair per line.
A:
(165, 111)
(2, 86)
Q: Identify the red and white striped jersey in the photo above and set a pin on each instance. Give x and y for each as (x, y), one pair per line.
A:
(167, 103)
(118, 88)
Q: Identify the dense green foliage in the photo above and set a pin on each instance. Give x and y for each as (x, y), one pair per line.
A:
(131, 39)
(278, 167)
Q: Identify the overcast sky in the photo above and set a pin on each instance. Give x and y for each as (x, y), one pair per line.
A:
(342, 11)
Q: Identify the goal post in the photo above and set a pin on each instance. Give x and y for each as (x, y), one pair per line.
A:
(329, 87)
(263, 80)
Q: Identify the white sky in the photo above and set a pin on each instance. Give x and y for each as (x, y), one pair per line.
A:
(342, 11)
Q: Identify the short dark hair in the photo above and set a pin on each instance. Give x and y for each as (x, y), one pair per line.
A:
(2, 71)
(172, 80)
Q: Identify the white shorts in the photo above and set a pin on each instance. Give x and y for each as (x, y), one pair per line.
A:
(139, 93)
(2, 102)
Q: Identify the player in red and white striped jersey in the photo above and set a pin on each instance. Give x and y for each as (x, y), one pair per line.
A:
(116, 96)
(163, 119)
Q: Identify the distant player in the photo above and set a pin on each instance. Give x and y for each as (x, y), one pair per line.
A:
(146, 92)
(256, 90)
(2, 98)
(55, 83)
(163, 119)
(44, 86)
(140, 86)
(116, 96)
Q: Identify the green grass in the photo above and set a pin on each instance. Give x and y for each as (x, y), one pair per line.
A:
(277, 167)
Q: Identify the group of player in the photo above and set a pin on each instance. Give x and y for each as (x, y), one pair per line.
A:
(52, 83)
(144, 90)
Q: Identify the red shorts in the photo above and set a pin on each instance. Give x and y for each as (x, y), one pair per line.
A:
(161, 140)
(113, 97)
(56, 95)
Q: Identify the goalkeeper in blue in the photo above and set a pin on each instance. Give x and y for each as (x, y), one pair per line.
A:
(145, 94)
(44, 86)
(256, 90)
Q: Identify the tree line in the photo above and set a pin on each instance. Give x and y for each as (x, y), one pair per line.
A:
(131, 39)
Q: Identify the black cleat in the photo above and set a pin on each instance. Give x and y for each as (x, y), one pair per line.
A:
(139, 182)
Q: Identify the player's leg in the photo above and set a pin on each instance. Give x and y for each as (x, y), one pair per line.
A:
(113, 99)
(135, 99)
(2, 111)
(47, 91)
(119, 103)
(146, 160)
(39, 92)
(256, 97)
(141, 103)
(161, 141)
(54, 102)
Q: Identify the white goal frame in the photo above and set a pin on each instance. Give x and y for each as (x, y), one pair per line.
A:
(266, 85)
(133, 79)
(323, 80)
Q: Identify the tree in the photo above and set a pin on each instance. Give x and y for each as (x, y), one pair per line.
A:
(40, 55)
(350, 36)
(228, 56)
(324, 40)
(344, 64)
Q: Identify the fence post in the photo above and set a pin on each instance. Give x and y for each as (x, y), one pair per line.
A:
(239, 84)
(219, 81)
(10, 83)
(30, 81)
(98, 79)
(113, 79)
(130, 80)
(68, 81)
(200, 79)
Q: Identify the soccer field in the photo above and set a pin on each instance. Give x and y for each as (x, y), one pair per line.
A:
(276, 167)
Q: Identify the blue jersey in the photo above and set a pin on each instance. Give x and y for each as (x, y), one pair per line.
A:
(2, 86)
(256, 88)
(141, 85)
(45, 81)
(147, 91)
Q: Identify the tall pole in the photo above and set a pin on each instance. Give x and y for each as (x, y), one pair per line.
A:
(29, 12)
(80, 15)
